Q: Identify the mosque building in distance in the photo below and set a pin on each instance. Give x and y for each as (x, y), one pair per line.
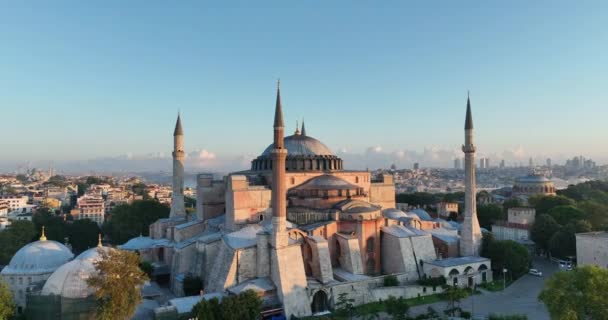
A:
(300, 230)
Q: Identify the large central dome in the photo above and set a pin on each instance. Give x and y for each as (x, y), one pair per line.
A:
(304, 153)
(301, 145)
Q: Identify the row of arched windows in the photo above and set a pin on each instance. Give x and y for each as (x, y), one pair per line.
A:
(299, 164)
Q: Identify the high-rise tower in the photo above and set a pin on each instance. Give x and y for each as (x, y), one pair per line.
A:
(177, 198)
(279, 192)
(470, 233)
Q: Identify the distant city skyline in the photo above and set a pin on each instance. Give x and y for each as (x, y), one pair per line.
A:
(86, 84)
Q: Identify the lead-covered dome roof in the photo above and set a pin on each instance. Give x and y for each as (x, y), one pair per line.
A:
(43, 256)
(70, 280)
(302, 145)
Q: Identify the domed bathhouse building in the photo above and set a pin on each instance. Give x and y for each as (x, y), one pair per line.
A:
(533, 184)
(299, 229)
(66, 294)
(32, 265)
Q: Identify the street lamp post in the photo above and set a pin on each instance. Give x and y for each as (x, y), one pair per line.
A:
(504, 279)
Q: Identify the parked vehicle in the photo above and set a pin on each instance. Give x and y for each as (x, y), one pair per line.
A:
(535, 272)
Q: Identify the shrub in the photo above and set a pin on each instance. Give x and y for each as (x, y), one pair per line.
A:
(391, 281)
(432, 282)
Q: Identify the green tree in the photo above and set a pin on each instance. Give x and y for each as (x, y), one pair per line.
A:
(117, 284)
(147, 268)
(543, 204)
(130, 220)
(454, 295)
(397, 308)
(345, 305)
(7, 305)
(563, 243)
(418, 198)
(511, 203)
(578, 294)
(192, 285)
(17, 235)
(488, 214)
(83, 234)
(543, 229)
(245, 306)
(58, 181)
(510, 255)
(565, 214)
(595, 213)
(54, 226)
(208, 309)
(21, 177)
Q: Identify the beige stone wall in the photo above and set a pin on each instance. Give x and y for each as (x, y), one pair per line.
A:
(383, 193)
(288, 275)
(245, 204)
(521, 215)
(350, 254)
(592, 249)
(509, 233)
(320, 262)
(181, 234)
(210, 197)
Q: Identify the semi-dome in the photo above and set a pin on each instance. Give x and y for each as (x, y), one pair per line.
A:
(43, 256)
(301, 145)
(70, 280)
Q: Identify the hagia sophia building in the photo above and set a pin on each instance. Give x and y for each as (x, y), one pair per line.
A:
(295, 227)
(300, 230)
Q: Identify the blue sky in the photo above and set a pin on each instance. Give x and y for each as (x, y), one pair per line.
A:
(83, 80)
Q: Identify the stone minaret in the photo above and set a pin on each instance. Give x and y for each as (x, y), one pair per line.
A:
(470, 233)
(177, 201)
(279, 191)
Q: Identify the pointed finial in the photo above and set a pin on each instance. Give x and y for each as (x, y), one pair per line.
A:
(178, 126)
(43, 236)
(303, 128)
(278, 112)
(468, 122)
(99, 245)
(297, 128)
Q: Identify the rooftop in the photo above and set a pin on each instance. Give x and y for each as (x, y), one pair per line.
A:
(594, 234)
(459, 261)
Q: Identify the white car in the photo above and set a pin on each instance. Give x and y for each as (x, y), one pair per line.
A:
(535, 272)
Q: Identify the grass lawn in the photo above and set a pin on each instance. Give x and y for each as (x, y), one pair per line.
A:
(496, 285)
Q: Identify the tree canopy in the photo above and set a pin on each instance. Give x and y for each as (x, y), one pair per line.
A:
(543, 229)
(543, 203)
(117, 284)
(507, 254)
(7, 305)
(488, 214)
(245, 306)
(130, 220)
(54, 226)
(17, 235)
(578, 294)
(83, 234)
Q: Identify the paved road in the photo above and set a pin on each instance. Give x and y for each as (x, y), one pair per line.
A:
(519, 298)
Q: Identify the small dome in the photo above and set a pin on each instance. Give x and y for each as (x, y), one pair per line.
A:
(301, 145)
(92, 254)
(533, 178)
(70, 280)
(327, 182)
(43, 256)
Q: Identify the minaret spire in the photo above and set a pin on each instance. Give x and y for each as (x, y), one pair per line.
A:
(177, 198)
(470, 232)
(303, 128)
(279, 191)
(178, 126)
(297, 133)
